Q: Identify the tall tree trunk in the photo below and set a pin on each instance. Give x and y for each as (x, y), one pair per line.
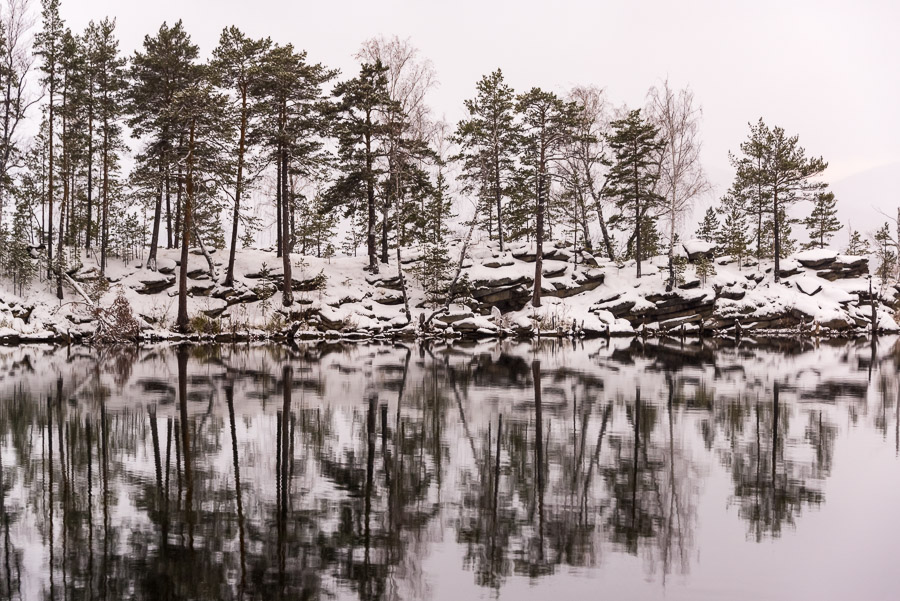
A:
(236, 214)
(90, 176)
(776, 227)
(104, 226)
(539, 236)
(157, 217)
(179, 179)
(50, 185)
(385, 221)
(370, 203)
(183, 321)
(637, 217)
(278, 202)
(498, 197)
(287, 294)
(169, 240)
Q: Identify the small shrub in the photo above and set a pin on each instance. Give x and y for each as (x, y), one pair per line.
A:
(116, 323)
(704, 268)
(276, 323)
(204, 324)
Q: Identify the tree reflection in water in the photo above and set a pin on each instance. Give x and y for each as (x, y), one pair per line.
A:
(330, 471)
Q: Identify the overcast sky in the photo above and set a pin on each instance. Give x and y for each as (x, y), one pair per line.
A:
(828, 71)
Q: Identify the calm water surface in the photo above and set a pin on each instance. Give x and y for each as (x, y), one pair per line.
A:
(500, 470)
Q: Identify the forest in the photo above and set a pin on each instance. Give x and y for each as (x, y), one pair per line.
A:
(106, 157)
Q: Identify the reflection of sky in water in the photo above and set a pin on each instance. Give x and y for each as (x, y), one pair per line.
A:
(666, 471)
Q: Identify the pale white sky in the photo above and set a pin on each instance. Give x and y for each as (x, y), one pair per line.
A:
(826, 70)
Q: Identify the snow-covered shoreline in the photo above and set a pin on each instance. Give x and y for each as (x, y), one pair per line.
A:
(820, 293)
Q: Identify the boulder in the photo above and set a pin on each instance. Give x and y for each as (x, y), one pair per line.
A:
(511, 298)
(553, 269)
(698, 249)
(816, 258)
(155, 284)
(808, 286)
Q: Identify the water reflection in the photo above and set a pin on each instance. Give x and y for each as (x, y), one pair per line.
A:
(367, 471)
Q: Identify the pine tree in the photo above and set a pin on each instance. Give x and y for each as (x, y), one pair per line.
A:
(777, 169)
(732, 238)
(885, 253)
(316, 226)
(749, 182)
(548, 125)
(632, 178)
(292, 109)
(360, 138)
(822, 224)
(238, 64)
(166, 66)
(108, 113)
(788, 243)
(201, 112)
(489, 143)
(20, 266)
(650, 240)
(435, 266)
(48, 46)
(709, 227)
(858, 246)
(406, 122)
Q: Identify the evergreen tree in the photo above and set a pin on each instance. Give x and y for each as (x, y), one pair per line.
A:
(709, 227)
(632, 178)
(777, 168)
(48, 45)
(406, 123)
(732, 238)
(749, 182)
(434, 269)
(316, 226)
(548, 125)
(360, 138)
(650, 240)
(291, 100)
(165, 67)
(885, 253)
(822, 224)
(788, 243)
(489, 143)
(29, 190)
(108, 113)
(21, 267)
(857, 246)
(238, 64)
(201, 112)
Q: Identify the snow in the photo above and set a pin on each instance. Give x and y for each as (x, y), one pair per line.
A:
(697, 246)
(816, 254)
(349, 300)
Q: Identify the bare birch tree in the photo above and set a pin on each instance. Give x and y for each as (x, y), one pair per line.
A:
(584, 171)
(407, 122)
(16, 62)
(681, 176)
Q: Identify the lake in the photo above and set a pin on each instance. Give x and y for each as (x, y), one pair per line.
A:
(603, 469)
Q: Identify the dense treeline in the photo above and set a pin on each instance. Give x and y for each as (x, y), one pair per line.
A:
(262, 135)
